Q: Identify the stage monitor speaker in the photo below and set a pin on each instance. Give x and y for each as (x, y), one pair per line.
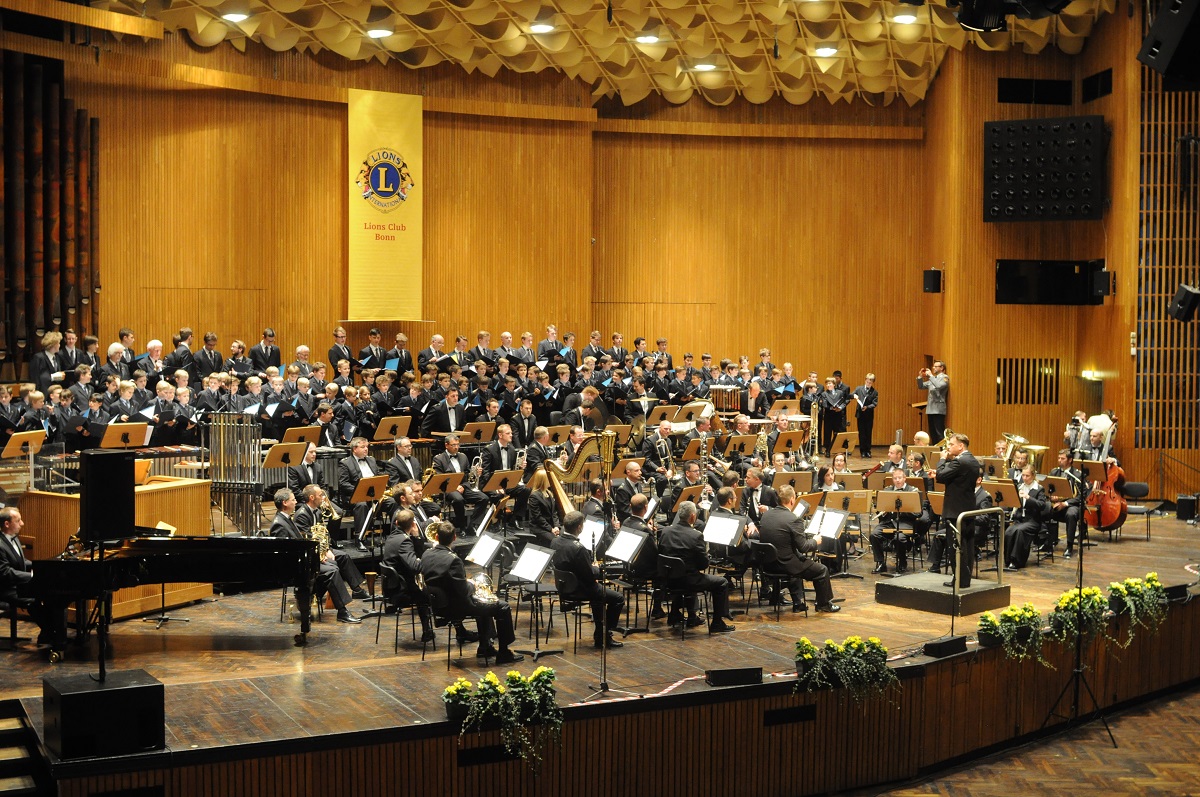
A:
(85, 718)
(1183, 306)
(105, 495)
(738, 676)
(1174, 34)
(946, 646)
(1185, 507)
(933, 280)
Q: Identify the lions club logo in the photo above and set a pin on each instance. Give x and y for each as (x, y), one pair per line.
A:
(384, 179)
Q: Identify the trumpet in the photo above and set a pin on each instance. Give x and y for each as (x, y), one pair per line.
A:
(474, 471)
(522, 456)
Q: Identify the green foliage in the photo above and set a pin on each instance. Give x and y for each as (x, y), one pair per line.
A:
(858, 665)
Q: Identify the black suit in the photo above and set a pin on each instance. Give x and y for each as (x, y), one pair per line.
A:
(456, 502)
(329, 577)
(1026, 526)
(438, 419)
(372, 357)
(780, 527)
(959, 476)
(404, 356)
(403, 554)
(16, 581)
(766, 500)
(443, 570)
(182, 359)
(425, 356)
(300, 476)
(622, 494)
(493, 462)
(262, 359)
(1074, 505)
(208, 361)
(349, 474)
(572, 557)
(523, 430)
(41, 370)
(687, 544)
(543, 517)
(866, 416)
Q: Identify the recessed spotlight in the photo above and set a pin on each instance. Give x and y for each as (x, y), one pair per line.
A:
(705, 67)
(905, 19)
(648, 39)
(379, 33)
(826, 52)
(233, 16)
(540, 27)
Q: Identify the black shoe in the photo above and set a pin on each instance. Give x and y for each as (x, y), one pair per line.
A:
(674, 618)
(428, 636)
(719, 627)
(692, 622)
(949, 583)
(612, 643)
(1010, 568)
(828, 607)
(467, 637)
(1067, 554)
(360, 594)
(346, 617)
(508, 657)
(657, 614)
(879, 568)
(486, 652)
(935, 569)
(799, 607)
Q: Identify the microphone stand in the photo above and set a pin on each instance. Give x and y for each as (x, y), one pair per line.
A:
(602, 689)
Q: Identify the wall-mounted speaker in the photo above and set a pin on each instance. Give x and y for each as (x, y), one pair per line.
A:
(106, 508)
(1174, 34)
(1183, 306)
(932, 279)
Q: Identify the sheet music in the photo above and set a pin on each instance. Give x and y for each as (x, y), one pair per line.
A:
(827, 523)
(626, 546)
(593, 530)
(724, 529)
(487, 518)
(484, 550)
(651, 505)
(532, 563)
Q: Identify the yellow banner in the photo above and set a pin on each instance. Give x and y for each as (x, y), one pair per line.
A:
(384, 215)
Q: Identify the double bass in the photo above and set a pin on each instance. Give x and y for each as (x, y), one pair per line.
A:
(1105, 508)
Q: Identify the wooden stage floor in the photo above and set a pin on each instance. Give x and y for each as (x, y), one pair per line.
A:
(234, 676)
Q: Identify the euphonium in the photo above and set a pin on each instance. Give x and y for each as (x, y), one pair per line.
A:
(474, 471)
(522, 455)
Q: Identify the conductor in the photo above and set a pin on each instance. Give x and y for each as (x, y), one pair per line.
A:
(958, 471)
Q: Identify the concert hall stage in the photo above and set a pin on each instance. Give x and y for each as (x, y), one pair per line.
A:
(247, 712)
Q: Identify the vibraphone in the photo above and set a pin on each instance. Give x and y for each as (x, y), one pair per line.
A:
(163, 460)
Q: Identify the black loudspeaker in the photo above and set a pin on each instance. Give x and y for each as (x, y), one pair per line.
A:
(1044, 169)
(1185, 507)
(105, 495)
(1101, 284)
(946, 646)
(87, 719)
(933, 280)
(1174, 34)
(738, 676)
(1183, 306)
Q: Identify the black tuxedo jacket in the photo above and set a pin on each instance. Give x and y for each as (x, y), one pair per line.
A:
(491, 461)
(781, 528)
(687, 544)
(442, 463)
(399, 469)
(444, 570)
(402, 553)
(284, 528)
(208, 362)
(15, 570)
(262, 360)
(349, 475)
(182, 359)
(766, 500)
(523, 430)
(571, 556)
(438, 419)
(958, 475)
(298, 477)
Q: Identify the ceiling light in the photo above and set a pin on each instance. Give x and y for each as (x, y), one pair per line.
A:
(647, 39)
(905, 18)
(234, 16)
(826, 52)
(379, 33)
(540, 27)
(705, 67)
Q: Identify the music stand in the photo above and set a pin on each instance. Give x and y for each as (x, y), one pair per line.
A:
(920, 406)
(477, 432)
(623, 430)
(282, 455)
(483, 552)
(370, 489)
(994, 467)
(932, 454)
(879, 480)
(162, 617)
(897, 502)
(618, 471)
(826, 526)
(788, 407)
(788, 442)
(689, 494)
(849, 481)
(442, 483)
(844, 441)
(741, 444)
(851, 502)
(302, 434)
(391, 427)
(529, 568)
(591, 470)
(664, 412)
(502, 480)
(25, 444)
(559, 434)
(800, 480)
(125, 435)
(1058, 488)
(689, 412)
(692, 451)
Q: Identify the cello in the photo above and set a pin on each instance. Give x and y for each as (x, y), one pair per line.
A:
(1105, 508)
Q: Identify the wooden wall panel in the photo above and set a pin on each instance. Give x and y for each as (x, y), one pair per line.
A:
(811, 248)
(220, 210)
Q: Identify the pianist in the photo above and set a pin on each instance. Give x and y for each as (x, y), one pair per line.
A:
(16, 573)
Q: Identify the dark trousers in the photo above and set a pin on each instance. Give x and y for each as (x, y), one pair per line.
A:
(329, 580)
(1070, 515)
(900, 543)
(609, 606)
(456, 505)
(348, 569)
(1018, 539)
(494, 620)
(937, 428)
(866, 424)
(939, 549)
(716, 586)
(818, 574)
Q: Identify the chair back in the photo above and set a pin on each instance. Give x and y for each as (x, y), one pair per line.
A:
(766, 557)
(1137, 490)
(440, 604)
(671, 568)
(567, 585)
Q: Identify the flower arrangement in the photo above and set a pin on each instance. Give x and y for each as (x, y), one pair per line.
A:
(525, 709)
(1079, 612)
(857, 664)
(1017, 629)
(1143, 599)
(457, 697)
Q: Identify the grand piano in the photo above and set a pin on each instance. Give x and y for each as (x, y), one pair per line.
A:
(167, 560)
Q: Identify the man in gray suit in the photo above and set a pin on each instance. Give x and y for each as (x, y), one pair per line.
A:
(937, 383)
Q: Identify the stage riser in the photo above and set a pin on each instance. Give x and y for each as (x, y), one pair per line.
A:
(948, 709)
(925, 592)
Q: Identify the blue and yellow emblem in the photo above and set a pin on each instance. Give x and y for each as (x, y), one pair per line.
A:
(385, 179)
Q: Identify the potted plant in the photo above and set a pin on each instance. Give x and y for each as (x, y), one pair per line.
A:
(858, 665)
(1144, 600)
(1079, 612)
(806, 656)
(457, 698)
(1017, 629)
(525, 709)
